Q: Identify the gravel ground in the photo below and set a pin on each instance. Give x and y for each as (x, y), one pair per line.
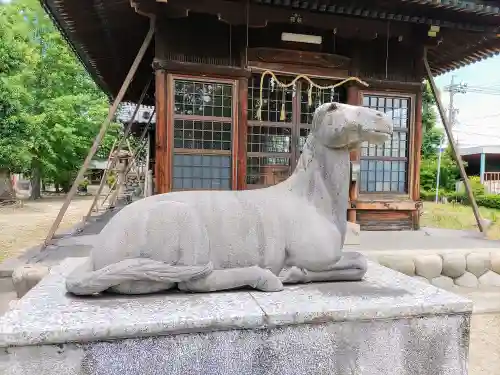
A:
(484, 355)
(27, 226)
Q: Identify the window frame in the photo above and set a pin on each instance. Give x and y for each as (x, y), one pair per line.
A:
(410, 148)
(234, 120)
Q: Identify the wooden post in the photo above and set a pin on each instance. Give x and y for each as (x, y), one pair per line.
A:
(416, 147)
(453, 146)
(161, 153)
(102, 132)
(353, 99)
(242, 122)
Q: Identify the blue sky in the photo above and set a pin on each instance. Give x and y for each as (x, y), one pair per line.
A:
(479, 116)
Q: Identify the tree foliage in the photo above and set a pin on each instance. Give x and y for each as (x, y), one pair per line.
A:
(50, 109)
(432, 136)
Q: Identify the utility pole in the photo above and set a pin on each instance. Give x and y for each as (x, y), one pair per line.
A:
(453, 88)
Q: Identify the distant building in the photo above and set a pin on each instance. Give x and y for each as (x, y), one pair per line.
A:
(483, 161)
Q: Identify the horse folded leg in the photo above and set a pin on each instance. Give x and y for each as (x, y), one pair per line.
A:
(142, 287)
(84, 280)
(351, 267)
(231, 278)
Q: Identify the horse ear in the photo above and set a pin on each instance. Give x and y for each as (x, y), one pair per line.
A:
(332, 107)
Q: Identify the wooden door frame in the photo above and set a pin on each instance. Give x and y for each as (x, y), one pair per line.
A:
(234, 122)
(410, 175)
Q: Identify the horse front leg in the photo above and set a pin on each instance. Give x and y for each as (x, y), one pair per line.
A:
(232, 278)
(352, 266)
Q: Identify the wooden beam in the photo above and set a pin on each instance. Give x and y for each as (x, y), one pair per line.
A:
(202, 70)
(102, 131)
(384, 205)
(234, 12)
(453, 146)
(242, 133)
(161, 153)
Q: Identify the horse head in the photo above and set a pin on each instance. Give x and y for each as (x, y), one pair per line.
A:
(339, 126)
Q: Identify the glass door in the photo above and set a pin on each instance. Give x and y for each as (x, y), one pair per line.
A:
(275, 141)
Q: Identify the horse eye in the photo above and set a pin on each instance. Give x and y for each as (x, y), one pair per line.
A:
(333, 107)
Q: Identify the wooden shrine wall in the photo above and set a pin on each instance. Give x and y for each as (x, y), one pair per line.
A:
(200, 48)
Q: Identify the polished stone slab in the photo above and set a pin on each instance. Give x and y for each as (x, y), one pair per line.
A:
(432, 345)
(48, 315)
(387, 324)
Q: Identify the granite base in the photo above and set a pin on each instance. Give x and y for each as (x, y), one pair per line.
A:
(386, 324)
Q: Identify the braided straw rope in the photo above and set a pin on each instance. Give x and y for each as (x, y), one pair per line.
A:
(311, 85)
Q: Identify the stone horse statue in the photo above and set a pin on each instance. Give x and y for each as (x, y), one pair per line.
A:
(204, 241)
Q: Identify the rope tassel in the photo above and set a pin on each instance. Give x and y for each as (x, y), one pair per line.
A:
(283, 99)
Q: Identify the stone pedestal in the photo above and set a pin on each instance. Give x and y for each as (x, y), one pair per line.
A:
(386, 324)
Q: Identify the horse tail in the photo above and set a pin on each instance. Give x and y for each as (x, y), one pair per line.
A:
(84, 280)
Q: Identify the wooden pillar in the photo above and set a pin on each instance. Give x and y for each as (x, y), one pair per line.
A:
(416, 150)
(162, 168)
(353, 98)
(417, 146)
(242, 122)
(482, 167)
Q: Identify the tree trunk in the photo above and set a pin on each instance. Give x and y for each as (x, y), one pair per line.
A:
(35, 180)
(6, 189)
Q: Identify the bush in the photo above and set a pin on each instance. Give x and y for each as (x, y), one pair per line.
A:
(489, 200)
(476, 186)
(110, 180)
(430, 195)
(448, 175)
(83, 184)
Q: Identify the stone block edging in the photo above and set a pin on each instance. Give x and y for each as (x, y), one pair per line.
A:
(447, 269)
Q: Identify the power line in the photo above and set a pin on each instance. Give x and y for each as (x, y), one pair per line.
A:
(483, 117)
(479, 134)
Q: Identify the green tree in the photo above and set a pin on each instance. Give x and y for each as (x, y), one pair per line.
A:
(431, 140)
(448, 175)
(431, 135)
(13, 125)
(59, 104)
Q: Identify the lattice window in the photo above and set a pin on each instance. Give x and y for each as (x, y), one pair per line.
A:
(275, 142)
(304, 132)
(203, 132)
(194, 98)
(269, 139)
(265, 171)
(202, 172)
(202, 135)
(272, 100)
(318, 97)
(384, 168)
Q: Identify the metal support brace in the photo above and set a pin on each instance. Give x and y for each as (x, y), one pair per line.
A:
(453, 146)
(102, 132)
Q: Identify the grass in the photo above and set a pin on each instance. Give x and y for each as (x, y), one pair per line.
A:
(457, 216)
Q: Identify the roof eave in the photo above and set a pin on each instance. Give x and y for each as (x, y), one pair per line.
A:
(79, 52)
